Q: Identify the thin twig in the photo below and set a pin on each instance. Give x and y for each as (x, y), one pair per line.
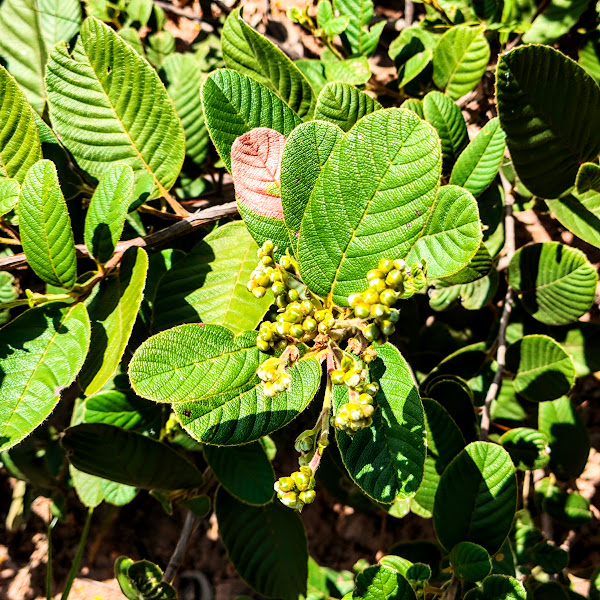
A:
(177, 557)
(167, 234)
(509, 246)
(409, 12)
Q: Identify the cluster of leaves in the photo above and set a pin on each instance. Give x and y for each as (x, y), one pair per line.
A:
(152, 352)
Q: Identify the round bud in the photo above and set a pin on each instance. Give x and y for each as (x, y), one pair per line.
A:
(387, 327)
(281, 301)
(362, 310)
(259, 292)
(367, 410)
(374, 274)
(385, 265)
(387, 297)
(275, 276)
(278, 289)
(394, 315)
(286, 484)
(292, 315)
(268, 247)
(251, 285)
(354, 299)
(308, 497)
(280, 344)
(309, 325)
(372, 332)
(321, 315)
(293, 295)
(269, 390)
(306, 470)
(378, 285)
(287, 262)
(301, 480)
(352, 378)
(371, 297)
(267, 261)
(394, 278)
(365, 399)
(290, 500)
(296, 331)
(307, 307)
(380, 311)
(337, 377)
(372, 389)
(282, 329)
(400, 264)
(262, 345)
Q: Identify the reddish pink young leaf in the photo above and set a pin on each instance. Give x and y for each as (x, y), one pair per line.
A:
(256, 163)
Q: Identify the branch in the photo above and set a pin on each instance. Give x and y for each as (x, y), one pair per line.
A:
(509, 245)
(167, 234)
(177, 557)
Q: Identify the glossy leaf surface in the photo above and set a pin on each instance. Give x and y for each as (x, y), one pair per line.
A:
(527, 447)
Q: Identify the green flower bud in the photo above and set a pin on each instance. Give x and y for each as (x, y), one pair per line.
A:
(293, 295)
(354, 299)
(268, 247)
(362, 310)
(380, 311)
(262, 345)
(394, 278)
(337, 377)
(286, 484)
(259, 292)
(267, 261)
(321, 315)
(374, 274)
(371, 297)
(394, 315)
(281, 301)
(309, 325)
(372, 332)
(282, 329)
(387, 297)
(385, 265)
(278, 289)
(387, 327)
(307, 307)
(372, 389)
(290, 499)
(352, 378)
(400, 264)
(308, 497)
(301, 480)
(296, 331)
(280, 344)
(367, 410)
(377, 285)
(306, 470)
(287, 262)
(365, 398)
(276, 276)
(292, 315)
(369, 355)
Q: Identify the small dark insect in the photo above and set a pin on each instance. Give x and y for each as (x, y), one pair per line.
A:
(418, 212)
(187, 413)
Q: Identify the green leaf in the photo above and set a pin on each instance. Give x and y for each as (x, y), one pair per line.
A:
(314, 71)
(107, 211)
(478, 164)
(382, 583)
(568, 437)
(446, 117)
(498, 586)
(244, 471)
(556, 283)
(470, 561)
(113, 309)
(480, 266)
(249, 53)
(209, 284)
(45, 227)
(528, 448)
(549, 133)
(444, 442)
(184, 82)
(330, 24)
(256, 167)
(544, 371)
(476, 498)
(554, 21)
(588, 178)
(160, 45)
(107, 84)
(8, 292)
(411, 52)
(211, 376)
(9, 195)
(582, 343)
(386, 460)
(357, 38)
(306, 151)
(344, 105)
(568, 508)
(342, 235)
(128, 457)
(41, 352)
(122, 409)
(460, 59)
(589, 56)
(142, 580)
(472, 296)
(267, 545)
(352, 71)
(29, 30)
(235, 104)
(580, 214)
(415, 105)
(19, 139)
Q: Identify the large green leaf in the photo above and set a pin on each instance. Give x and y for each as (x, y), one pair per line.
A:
(554, 21)
(9, 195)
(549, 133)
(386, 460)
(377, 196)
(498, 586)
(184, 82)
(382, 582)
(235, 104)
(412, 52)
(543, 370)
(244, 471)
(556, 283)
(460, 59)
(476, 498)
(107, 211)
(357, 38)
(19, 139)
(580, 214)
(589, 55)
(41, 352)
(444, 442)
(122, 409)
(210, 375)
(479, 162)
(248, 52)
(128, 457)
(343, 105)
(568, 436)
(588, 178)
(113, 309)
(353, 71)
(123, 112)
(446, 116)
(209, 284)
(470, 561)
(29, 30)
(267, 545)
(45, 227)
(306, 151)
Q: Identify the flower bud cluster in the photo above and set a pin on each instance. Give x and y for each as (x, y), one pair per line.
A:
(298, 489)
(266, 273)
(358, 413)
(274, 378)
(350, 373)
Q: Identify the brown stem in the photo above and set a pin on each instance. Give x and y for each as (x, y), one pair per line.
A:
(163, 236)
(177, 557)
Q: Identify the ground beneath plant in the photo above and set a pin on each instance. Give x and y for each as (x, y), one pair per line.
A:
(338, 536)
